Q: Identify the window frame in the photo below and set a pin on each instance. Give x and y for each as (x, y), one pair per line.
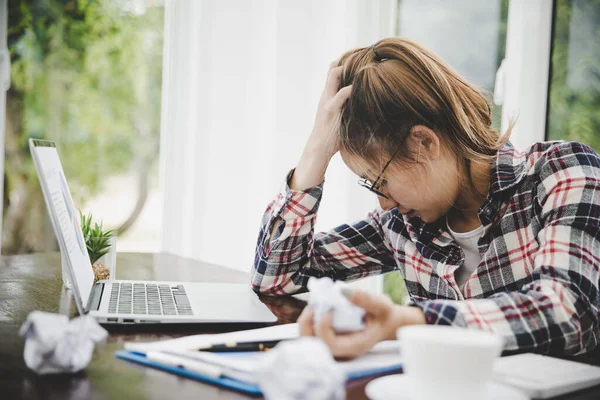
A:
(527, 70)
(4, 86)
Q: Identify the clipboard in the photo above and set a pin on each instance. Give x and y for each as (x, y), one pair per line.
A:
(227, 382)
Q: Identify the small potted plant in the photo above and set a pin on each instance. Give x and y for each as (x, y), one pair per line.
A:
(101, 247)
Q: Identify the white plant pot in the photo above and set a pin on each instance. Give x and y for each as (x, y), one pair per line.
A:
(109, 260)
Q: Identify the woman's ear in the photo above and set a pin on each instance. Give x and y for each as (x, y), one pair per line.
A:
(425, 143)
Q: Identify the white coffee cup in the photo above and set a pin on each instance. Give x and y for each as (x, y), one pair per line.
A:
(443, 362)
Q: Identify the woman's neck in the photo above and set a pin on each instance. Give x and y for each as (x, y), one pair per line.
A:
(464, 216)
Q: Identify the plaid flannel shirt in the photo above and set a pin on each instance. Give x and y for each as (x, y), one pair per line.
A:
(537, 282)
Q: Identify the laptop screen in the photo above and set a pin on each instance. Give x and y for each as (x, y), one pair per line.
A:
(65, 219)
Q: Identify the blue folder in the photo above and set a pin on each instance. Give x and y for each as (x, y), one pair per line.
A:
(230, 383)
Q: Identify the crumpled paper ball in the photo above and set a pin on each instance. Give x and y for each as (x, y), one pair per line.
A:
(301, 369)
(54, 345)
(326, 296)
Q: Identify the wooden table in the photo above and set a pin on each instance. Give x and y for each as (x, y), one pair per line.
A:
(32, 282)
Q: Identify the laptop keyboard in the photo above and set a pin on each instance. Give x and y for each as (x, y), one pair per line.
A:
(148, 299)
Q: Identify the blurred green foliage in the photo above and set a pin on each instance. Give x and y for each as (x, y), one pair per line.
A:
(86, 74)
(395, 287)
(574, 93)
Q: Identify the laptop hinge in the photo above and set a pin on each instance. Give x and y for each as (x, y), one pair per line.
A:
(95, 297)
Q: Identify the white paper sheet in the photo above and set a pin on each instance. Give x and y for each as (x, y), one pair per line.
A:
(242, 365)
(277, 332)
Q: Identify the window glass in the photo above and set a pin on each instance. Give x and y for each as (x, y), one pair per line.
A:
(574, 91)
(87, 75)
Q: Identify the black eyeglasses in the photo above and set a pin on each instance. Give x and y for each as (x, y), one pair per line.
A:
(372, 186)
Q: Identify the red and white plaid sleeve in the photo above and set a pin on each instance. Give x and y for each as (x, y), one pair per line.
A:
(556, 313)
(284, 262)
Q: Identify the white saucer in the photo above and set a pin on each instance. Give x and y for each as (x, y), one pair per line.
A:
(393, 387)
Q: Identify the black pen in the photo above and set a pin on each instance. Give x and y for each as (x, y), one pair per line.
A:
(261, 345)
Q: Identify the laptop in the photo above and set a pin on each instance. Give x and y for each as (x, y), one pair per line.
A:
(126, 301)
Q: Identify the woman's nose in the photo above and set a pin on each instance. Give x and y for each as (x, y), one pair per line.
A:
(387, 204)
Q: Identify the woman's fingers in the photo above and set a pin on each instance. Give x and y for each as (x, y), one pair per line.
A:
(324, 330)
(341, 97)
(334, 64)
(352, 345)
(371, 303)
(379, 309)
(305, 322)
(333, 74)
(333, 81)
(344, 345)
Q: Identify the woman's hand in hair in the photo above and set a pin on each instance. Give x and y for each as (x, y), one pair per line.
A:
(324, 132)
(323, 142)
(382, 319)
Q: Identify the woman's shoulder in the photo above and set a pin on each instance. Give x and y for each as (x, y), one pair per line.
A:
(561, 148)
(563, 165)
(550, 157)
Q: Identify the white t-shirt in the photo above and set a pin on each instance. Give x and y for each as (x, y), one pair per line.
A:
(468, 243)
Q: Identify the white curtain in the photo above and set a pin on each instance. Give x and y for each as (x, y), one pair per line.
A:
(241, 85)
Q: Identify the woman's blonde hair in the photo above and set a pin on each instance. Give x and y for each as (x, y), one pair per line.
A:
(398, 84)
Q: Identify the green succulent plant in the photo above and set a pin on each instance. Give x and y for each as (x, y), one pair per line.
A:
(97, 240)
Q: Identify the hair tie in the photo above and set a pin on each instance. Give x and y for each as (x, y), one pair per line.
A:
(376, 54)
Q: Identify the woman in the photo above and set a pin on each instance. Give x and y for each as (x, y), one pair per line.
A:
(486, 237)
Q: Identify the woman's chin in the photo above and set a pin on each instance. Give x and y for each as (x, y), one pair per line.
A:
(426, 217)
(417, 214)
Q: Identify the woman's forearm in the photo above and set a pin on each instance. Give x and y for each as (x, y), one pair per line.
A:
(312, 166)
